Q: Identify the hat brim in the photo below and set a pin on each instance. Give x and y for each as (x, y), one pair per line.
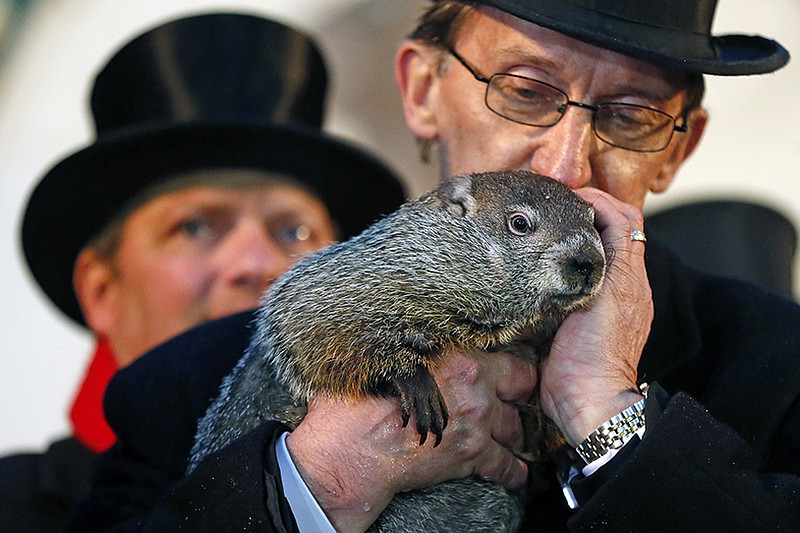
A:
(725, 55)
(82, 193)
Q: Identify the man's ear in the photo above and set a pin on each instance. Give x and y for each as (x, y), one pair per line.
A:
(93, 281)
(416, 66)
(697, 120)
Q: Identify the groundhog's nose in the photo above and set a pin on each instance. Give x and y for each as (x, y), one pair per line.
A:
(583, 268)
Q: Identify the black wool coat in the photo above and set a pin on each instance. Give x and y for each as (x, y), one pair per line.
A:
(38, 489)
(721, 450)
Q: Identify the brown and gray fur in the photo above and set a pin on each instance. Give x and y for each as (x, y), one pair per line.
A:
(373, 315)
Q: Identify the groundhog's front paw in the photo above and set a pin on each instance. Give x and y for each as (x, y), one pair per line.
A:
(420, 395)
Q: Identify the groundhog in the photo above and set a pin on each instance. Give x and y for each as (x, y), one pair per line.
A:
(484, 262)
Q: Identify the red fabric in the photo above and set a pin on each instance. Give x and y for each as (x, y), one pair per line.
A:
(86, 415)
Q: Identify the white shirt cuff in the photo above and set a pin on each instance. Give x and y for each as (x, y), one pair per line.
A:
(308, 514)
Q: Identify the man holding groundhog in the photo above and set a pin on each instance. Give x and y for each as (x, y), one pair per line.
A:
(604, 97)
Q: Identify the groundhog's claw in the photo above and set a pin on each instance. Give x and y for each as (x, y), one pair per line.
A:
(420, 395)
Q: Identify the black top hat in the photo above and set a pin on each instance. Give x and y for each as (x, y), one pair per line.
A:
(215, 90)
(672, 33)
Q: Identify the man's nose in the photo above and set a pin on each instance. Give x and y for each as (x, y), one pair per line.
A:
(563, 149)
(252, 257)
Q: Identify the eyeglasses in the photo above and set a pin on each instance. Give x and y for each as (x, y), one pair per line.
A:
(536, 103)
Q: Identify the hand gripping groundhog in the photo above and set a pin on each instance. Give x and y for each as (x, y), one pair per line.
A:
(479, 263)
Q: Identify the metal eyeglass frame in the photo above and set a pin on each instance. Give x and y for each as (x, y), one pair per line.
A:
(682, 128)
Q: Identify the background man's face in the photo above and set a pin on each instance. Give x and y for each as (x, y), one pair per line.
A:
(202, 253)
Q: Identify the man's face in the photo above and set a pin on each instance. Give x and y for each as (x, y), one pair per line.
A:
(196, 254)
(473, 138)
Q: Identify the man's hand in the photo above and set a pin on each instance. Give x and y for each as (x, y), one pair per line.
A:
(590, 374)
(355, 456)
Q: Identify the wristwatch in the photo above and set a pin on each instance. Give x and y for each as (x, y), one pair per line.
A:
(614, 433)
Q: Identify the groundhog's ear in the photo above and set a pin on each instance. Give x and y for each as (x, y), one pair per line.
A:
(456, 193)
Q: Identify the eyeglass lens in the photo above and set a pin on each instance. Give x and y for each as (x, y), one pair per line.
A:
(536, 103)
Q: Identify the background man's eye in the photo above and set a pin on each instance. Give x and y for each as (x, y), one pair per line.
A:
(196, 228)
(293, 233)
(520, 224)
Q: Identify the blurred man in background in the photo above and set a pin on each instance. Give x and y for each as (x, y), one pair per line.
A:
(209, 177)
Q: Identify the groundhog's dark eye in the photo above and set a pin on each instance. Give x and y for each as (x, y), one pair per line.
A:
(519, 224)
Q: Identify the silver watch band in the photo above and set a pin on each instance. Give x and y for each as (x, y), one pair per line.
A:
(613, 434)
